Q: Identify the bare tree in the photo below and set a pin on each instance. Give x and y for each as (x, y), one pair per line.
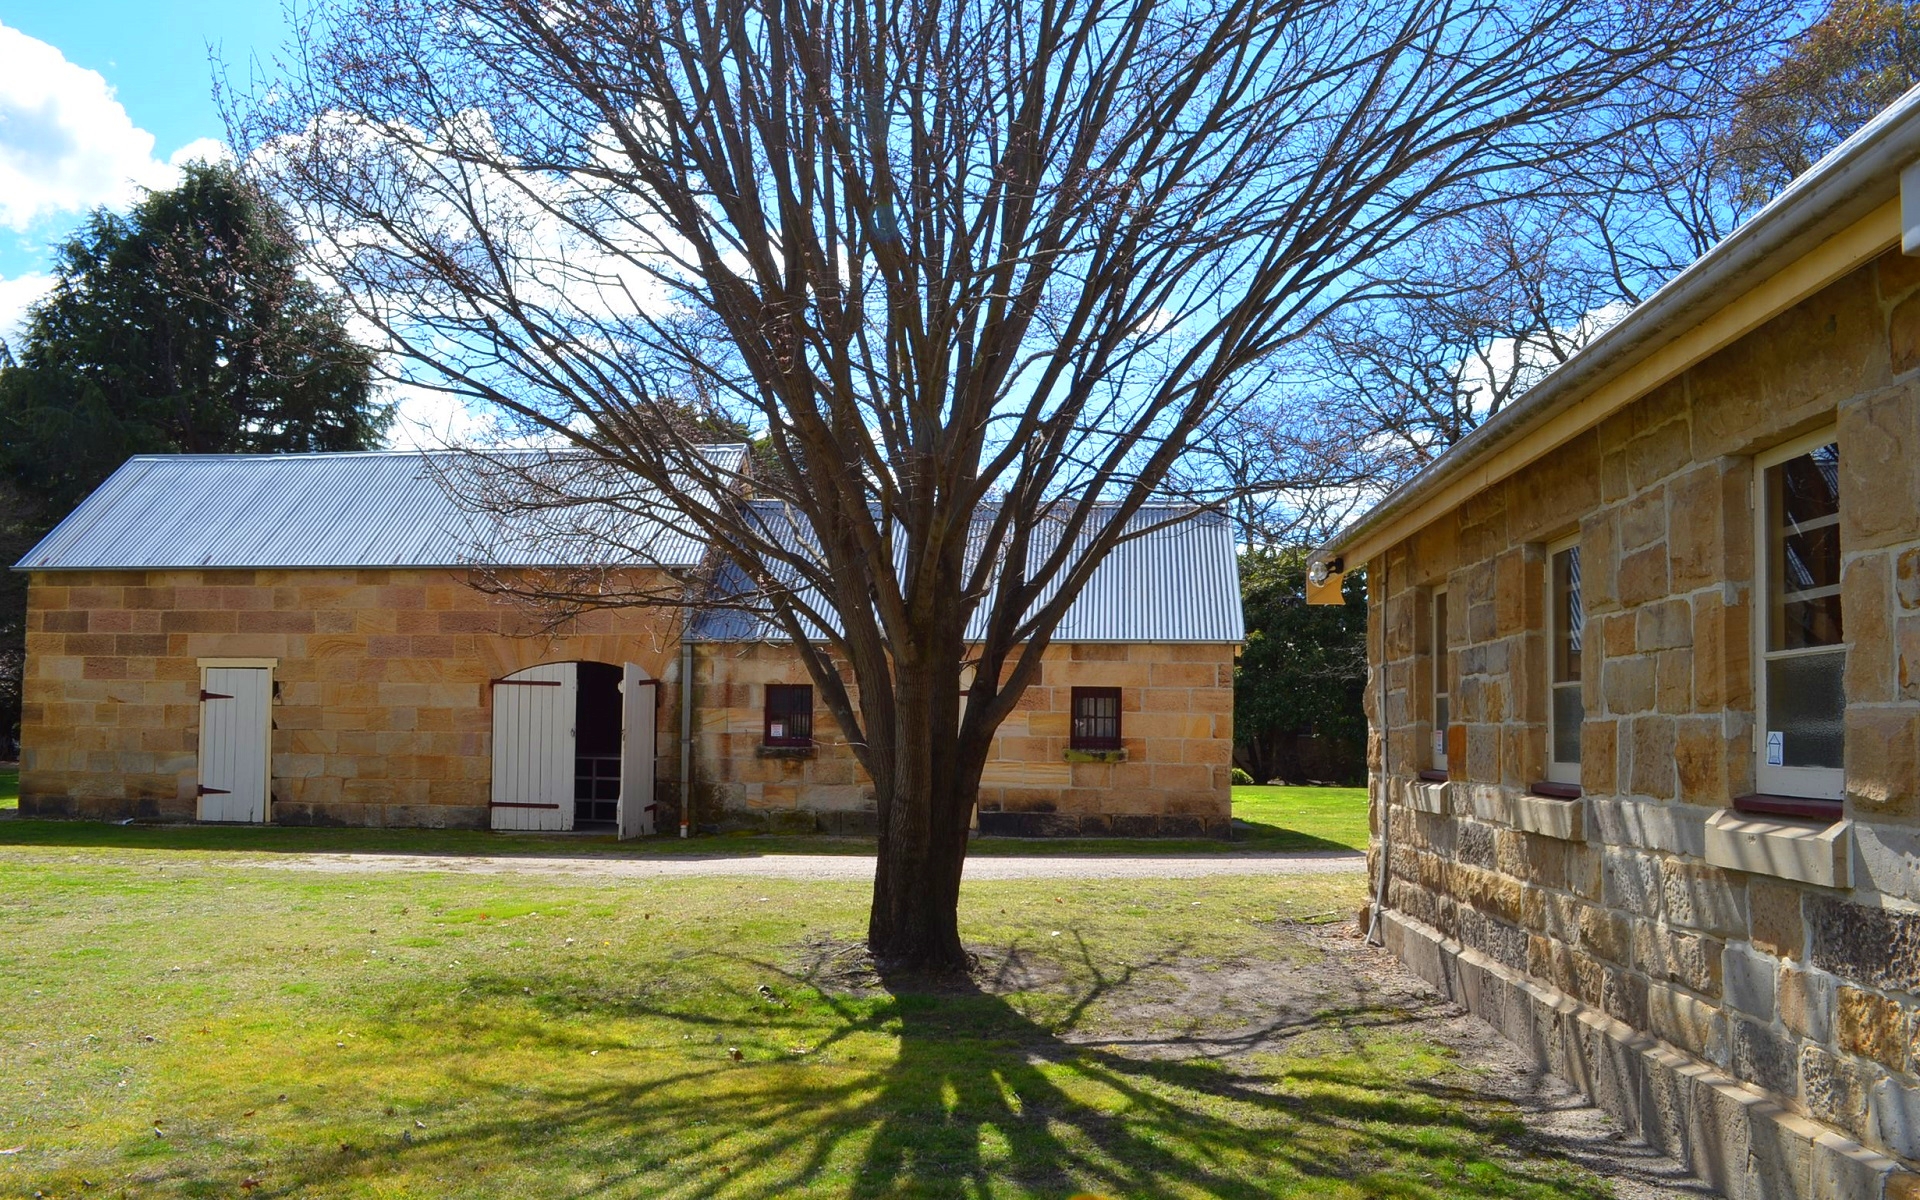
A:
(1288, 467)
(1839, 73)
(979, 271)
(1480, 311)
(1476, 309)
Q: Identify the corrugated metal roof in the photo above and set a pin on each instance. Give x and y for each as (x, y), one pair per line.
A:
(369, 509)
(1176, 583)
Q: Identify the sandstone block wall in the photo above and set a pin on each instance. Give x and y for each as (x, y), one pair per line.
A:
(382, 711)
(1172, 777)
(1810, 994)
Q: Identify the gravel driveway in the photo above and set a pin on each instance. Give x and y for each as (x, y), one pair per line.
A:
(837, 866)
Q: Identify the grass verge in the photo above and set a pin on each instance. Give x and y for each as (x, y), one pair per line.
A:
(181, 1026)
(1273, 819)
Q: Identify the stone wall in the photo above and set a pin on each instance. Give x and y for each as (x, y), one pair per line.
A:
(1629, 903)
(382, 711)
(1172, 776)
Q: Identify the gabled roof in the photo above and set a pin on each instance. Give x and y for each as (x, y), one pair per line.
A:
(365, 509)
(1844, 211)
(1177, 580)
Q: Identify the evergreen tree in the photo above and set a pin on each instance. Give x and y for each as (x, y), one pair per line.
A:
(1297, 687)
(181, 326)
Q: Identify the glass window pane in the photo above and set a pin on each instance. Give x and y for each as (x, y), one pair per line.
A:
(1811, 558)
(1807, 623)
(1806, 705)
(1803, 552)
(1569, 617)
(1810, 485)
(789, 712)
(1569, 710)
(1095, 718)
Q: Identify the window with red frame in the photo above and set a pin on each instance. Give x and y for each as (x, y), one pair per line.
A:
(789, 714)
(1096, 719)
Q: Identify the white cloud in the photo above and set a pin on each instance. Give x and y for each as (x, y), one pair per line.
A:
(16, 296)
(425, 419)
(211, 150)
(66, 144)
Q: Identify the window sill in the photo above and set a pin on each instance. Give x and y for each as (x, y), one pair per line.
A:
(765, 751)
(1816, 852)
(1763, 805)
(1427, 796)
(1555, 791)
(1094, 756)
(1561, 817)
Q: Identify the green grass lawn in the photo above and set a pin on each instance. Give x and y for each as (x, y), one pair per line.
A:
(1275, 818)
(1282, 817)
(181, 1024)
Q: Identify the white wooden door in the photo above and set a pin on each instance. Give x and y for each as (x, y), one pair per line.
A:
(637, 732)
(533, 733)
(236, 709)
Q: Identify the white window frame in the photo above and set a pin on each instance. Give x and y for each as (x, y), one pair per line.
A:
(1557, 771)
(1814, 783)
(1438, 651)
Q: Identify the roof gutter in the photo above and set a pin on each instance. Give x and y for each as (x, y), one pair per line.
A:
(1857, 178)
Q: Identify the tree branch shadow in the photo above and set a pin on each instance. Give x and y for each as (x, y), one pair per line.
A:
(979, 1096)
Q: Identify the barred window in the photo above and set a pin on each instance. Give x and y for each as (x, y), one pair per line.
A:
(1566, 709)
(789, 714)
(1442, 715)
(1096, 718)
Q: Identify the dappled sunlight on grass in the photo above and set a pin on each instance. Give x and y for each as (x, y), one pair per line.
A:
(181, 1030)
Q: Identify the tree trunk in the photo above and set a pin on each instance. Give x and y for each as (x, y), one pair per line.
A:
(925, 806)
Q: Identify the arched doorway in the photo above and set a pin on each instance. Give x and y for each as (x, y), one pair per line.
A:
(573, 748)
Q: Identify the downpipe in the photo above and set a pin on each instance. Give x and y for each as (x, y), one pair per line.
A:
(686, 719)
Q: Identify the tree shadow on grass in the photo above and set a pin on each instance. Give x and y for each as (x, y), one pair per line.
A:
(66, 833)
(74, 833)
(1260, 835)
(977, 1097)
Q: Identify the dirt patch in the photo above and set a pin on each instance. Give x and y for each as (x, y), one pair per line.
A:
(1559, 1122)
(844, 967)
(1193, 1007)
(837, 966)
(1325, 980)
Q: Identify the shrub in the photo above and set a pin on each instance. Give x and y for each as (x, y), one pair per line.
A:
(1241, 778)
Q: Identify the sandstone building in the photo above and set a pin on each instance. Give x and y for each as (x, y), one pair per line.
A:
(321, 639)
(1645, 700)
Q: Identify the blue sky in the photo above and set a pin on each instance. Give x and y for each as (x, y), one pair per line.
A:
(98, 95)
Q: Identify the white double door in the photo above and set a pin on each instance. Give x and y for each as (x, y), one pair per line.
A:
(236, 710)
(534, 732)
